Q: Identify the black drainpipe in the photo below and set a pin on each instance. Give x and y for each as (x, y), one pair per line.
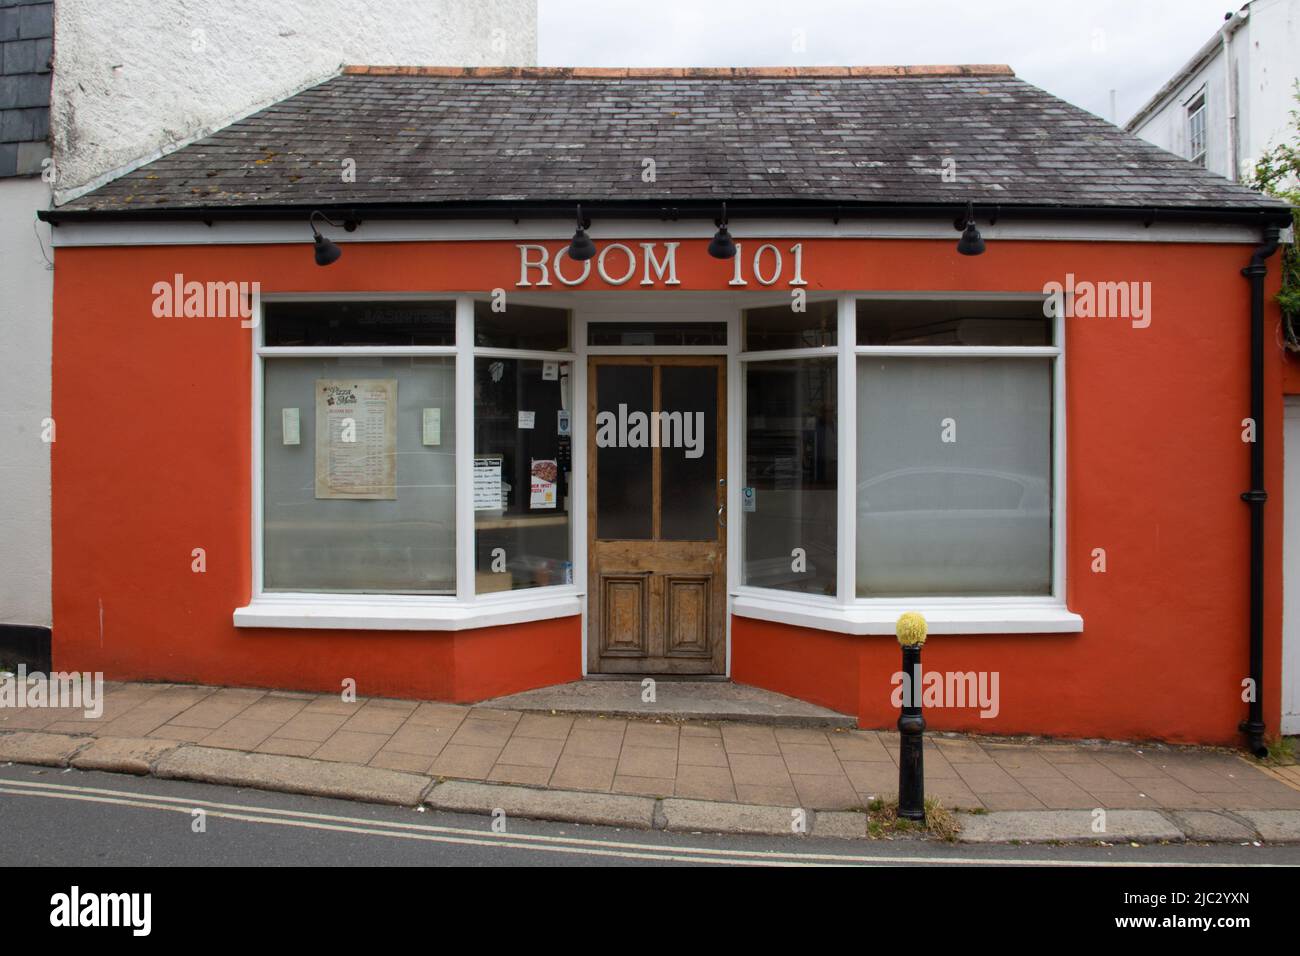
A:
(1253, 726)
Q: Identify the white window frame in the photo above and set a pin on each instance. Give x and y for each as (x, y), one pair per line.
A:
(842, 613)
(377, 611)
(846, 612)
(743, 593)
(1198, 107)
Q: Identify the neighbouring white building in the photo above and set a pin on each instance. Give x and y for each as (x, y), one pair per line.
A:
(99, 87)
(1233, 99)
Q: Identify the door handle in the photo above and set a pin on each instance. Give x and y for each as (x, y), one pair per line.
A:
(722, 521)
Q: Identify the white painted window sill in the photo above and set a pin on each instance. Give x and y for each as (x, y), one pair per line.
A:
(397, 613)
(873, 619)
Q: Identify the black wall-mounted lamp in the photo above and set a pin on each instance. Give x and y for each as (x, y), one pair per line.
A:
(326, 251)
(722, 246)
(971, 242)
(581, 247)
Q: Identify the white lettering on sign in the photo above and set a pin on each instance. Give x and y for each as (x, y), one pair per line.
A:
(774, 276)
(563, 253)
(537, 263)
(669, 263)
(631, 263)
(626, 429)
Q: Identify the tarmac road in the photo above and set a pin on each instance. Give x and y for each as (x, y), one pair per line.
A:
(51, 817)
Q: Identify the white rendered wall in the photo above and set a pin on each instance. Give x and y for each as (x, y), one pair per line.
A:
(1274, 66)
(26, 287)
(133, 78)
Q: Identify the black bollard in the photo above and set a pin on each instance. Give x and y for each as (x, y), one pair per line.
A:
(911, 724)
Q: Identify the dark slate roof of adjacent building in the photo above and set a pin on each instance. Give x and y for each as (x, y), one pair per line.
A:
(26, 47)
(854, 135)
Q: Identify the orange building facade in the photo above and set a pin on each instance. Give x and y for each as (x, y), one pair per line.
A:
(1123, 550)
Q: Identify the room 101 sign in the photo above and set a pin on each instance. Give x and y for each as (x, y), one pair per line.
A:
(651, 264)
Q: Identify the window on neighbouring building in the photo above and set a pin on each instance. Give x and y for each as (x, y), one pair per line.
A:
(954, 448)
(358, 449)
(1196, 130)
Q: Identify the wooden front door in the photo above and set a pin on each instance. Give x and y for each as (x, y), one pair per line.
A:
(656, 543)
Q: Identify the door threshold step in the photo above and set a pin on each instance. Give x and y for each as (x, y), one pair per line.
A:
(675, 700)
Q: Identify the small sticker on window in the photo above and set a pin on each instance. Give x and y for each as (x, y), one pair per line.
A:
(432, 426)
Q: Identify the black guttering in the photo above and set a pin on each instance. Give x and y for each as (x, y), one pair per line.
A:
(1255, 271)
(1263, 215)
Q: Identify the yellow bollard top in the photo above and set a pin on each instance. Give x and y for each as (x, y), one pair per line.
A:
(911, 629)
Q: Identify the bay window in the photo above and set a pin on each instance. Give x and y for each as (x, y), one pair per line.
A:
(412, 464)
(948, 408)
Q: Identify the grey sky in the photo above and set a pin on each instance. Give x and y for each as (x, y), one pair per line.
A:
(1079, 51)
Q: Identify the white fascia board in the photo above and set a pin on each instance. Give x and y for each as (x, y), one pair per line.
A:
(73, 234)
(374, 613)
(952, 619)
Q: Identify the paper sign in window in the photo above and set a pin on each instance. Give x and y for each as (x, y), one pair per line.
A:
(289, 426)
(431, 432)
(356, 438)
(487, 483)
(544, 473)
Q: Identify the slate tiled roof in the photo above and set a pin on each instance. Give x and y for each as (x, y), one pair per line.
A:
(851, 135)
(26, 46)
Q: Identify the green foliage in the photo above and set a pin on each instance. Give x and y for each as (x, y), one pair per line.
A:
(1277, 173)
(884, 823)
(1281, 751)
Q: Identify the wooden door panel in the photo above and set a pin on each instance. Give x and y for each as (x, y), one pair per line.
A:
(688, 617)
(625, 609)
(656, 604)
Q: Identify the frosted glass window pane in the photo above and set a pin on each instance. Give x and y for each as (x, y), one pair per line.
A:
(406, 544)
(791, 451)
(970, 516)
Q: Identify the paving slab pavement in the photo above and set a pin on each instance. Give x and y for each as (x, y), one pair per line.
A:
(675, 699)
(678, 773)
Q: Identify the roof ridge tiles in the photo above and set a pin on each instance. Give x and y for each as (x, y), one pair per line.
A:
(677, 73)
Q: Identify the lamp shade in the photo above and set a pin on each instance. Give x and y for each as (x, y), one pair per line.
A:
(581, 247)
(971, 242)
(326, 251)
(722, 246)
